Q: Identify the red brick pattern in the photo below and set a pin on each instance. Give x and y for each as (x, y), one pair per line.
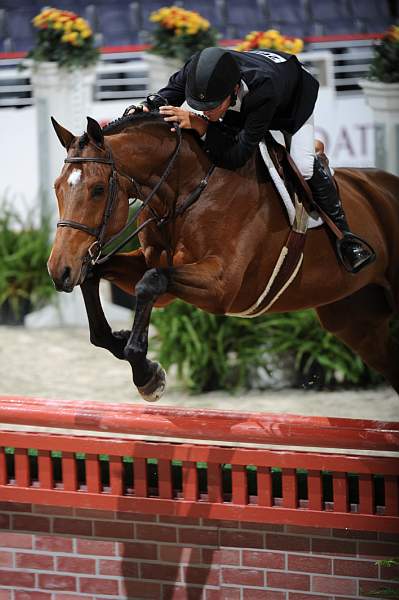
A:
(57, 553)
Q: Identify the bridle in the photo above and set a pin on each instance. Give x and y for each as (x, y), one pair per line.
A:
(98, 233)
(94, 254)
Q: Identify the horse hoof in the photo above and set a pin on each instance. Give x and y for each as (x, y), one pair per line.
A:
(154, 389)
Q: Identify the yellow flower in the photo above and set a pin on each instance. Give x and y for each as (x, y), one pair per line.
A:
(85, 33)
(39, 21)
(265, 41)
(70, 37)
(273, 34)
(393, 33)
(192, 30)
(80, 24)
(244, 47)
(298, 45)
(181, 20)
(68, 26)
(54, 15)
(288, 45)
(271, 38)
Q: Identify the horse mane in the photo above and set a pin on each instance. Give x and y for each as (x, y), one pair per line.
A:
(122, 123)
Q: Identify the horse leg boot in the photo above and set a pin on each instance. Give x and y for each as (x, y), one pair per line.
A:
(353, 252)
(148, 376)
(101, 334)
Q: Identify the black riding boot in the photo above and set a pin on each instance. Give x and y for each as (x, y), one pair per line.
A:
(354, 252)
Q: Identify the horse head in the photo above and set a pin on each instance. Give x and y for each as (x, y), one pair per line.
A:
(86, 187)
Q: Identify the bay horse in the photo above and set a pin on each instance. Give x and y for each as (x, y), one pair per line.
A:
(217, 254)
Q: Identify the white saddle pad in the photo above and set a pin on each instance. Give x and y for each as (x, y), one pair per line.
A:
(282, 190)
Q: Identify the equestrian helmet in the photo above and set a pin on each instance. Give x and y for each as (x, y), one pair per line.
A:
(212, 76)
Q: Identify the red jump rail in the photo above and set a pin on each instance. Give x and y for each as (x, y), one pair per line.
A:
(183, 478)
(215, 425)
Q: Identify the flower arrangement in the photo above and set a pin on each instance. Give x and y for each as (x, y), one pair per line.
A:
(271, 39)
(385, 64)
(180, 33)
(63, 37)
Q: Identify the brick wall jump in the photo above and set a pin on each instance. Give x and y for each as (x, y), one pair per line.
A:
(58, 553)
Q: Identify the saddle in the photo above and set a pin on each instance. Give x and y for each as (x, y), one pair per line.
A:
(296, 185)
(291, 255)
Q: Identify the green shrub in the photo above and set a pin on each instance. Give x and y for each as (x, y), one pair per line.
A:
(24, 250)
(385, 63)
(215, 352)
(381, 590)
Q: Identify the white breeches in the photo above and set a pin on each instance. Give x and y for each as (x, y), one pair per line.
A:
(302, 148)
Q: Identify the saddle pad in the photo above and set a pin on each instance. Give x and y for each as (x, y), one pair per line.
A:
(282, 190)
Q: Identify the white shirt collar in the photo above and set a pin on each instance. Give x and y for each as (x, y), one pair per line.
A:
(242, 92)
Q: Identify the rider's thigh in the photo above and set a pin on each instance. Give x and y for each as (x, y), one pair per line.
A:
(302, 148)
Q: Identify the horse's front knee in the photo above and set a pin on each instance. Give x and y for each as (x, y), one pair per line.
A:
(153, 284)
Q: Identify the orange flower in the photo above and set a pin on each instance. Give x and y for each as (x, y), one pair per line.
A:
(270, 39)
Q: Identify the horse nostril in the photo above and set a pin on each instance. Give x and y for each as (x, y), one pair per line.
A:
(66, 274)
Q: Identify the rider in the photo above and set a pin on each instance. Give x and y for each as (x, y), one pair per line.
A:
(244, 94)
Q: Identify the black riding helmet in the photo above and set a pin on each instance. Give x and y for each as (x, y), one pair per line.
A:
(212, 77)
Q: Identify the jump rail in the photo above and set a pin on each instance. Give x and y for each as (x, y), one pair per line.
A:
(201, 480)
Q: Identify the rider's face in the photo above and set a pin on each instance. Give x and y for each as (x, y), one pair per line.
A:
(216, 113)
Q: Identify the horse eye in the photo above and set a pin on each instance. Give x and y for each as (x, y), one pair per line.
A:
(98, 190)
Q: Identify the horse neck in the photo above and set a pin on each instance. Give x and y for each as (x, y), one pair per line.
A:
(145, 152)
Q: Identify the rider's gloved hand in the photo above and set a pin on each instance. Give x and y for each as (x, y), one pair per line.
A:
(152, 103)
(134, 108)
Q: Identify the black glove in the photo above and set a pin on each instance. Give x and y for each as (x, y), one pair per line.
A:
(154, 101)
(137, 109)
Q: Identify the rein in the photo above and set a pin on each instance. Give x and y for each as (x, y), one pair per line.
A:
(94, 253)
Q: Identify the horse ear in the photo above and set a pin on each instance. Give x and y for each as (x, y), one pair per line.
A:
(95, 132)
(66, 137)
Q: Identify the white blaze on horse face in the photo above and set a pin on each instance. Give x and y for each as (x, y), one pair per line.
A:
(74, 177)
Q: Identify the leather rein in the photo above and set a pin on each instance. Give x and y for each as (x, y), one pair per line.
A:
(95, 251)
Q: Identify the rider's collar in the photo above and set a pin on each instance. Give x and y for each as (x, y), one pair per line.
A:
(242, 92)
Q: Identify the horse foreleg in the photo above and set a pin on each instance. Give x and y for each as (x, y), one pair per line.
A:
(101, 334)
(148, 376)
(125, 270)
(197, 283)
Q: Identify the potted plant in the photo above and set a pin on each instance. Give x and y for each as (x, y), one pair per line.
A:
(179, 33)
(63, 38)
(381, 90)
(271, 39)
(62, 64)
(24, 281)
